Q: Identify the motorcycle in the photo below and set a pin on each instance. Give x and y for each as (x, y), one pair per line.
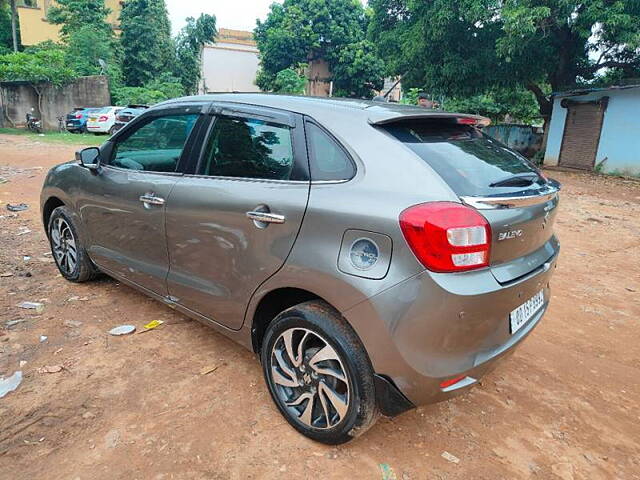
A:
(34, 123)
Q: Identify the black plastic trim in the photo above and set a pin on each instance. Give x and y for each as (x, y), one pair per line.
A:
(391, 402)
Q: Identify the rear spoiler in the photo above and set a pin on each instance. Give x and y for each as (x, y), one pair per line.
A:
(545, 194)
(388, 117)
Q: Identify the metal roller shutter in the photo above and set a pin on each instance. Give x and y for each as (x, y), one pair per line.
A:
(581, 135)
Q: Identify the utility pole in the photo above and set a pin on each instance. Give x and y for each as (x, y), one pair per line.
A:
(14, 29)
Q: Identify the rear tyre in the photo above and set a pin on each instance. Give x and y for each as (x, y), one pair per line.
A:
(68, 249)
(112, 130)
(318, 373)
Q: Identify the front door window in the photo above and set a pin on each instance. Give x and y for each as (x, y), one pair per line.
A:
(156, 146)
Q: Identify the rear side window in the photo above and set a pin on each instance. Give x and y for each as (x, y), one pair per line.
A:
(329, 161)
(249, 148)
(472, 163)
(156, 146)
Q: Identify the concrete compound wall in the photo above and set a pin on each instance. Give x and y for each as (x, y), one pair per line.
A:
(619, 148)
(522, 138)
(17, 99)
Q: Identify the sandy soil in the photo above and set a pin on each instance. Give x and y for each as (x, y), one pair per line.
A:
(566, 405)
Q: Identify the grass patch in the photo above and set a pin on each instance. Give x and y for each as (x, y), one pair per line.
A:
(65, 138)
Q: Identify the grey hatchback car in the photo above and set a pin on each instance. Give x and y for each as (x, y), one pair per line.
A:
(375, 257)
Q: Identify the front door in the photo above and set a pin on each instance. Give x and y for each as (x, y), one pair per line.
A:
(232, 225)
(123, 211)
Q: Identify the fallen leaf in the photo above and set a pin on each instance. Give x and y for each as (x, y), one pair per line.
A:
(208, 370)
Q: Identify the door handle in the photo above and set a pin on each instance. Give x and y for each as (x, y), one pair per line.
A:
(151, 199)
(266, 217)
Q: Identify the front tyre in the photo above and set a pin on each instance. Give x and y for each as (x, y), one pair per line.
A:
(67, 248)
(319, 374)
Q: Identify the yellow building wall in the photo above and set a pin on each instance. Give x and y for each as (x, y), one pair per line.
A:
(34, 27)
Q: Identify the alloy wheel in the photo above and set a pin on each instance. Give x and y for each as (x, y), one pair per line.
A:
(64, 246)
(309, 378)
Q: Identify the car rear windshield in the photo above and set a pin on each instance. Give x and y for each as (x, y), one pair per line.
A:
(102, 110)
(472, 163)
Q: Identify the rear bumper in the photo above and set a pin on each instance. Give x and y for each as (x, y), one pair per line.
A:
(435, 327)
(73, 125)
(98, 128)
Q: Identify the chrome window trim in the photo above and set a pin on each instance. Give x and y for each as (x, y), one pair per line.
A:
(267, 180)
(120, 169)
(492, 203)
(330, 182)
(247, 179)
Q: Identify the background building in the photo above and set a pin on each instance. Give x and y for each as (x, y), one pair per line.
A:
(596, 129)
(231, 63)
(34, 27)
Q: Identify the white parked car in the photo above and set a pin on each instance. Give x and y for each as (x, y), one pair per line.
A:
(102, 120)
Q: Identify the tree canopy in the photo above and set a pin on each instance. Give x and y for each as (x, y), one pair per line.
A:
(300, 31)
(146, 41)
(73, 15)
(469, 47)
(189, 45)
(38, 66)
(289, 81)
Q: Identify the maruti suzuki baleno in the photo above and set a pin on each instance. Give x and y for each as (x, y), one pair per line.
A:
(374, 256)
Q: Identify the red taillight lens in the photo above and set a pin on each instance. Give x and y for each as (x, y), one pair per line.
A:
(447, 237)
(103, 118)
(78, 116)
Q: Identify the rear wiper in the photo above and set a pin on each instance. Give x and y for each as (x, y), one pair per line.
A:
(518, 180)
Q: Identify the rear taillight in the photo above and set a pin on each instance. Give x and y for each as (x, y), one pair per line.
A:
(447, 237)
(103, 118)
(78, 116)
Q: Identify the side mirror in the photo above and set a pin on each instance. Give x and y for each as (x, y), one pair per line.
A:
(89, 158)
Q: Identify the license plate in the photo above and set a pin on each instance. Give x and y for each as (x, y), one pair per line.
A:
(93, 119)
(526, 311)
(69, 124)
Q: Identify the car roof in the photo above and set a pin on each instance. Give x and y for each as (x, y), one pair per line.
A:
(376, 113)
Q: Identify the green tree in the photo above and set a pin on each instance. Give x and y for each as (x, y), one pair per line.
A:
(163, 88)
(41, 68)
(471, 47)
(301, 31)
(189, 43)
(520, 105)
(9, 28)
(147, 46)
(289, 81)
(85, 47)
(86, 32)
(73, 15)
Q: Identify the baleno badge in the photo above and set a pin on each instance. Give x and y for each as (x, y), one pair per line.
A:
(510, 235)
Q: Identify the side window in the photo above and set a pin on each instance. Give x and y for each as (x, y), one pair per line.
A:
(248, 148)
(156, 146)
(329, 161)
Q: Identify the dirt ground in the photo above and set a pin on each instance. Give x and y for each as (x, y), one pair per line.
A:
(565, 405)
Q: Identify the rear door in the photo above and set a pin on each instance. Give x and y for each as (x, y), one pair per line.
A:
(232, 223)
(123, 208)
(518, 201)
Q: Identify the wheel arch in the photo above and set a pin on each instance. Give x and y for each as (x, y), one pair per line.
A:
(49, 206)
(271, 304)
